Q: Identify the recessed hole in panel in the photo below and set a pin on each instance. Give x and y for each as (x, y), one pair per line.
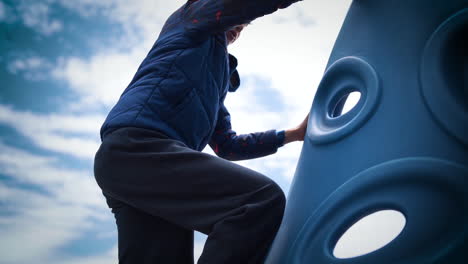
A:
(369, 234)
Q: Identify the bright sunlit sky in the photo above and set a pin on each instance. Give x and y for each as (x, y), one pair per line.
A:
(63, 65)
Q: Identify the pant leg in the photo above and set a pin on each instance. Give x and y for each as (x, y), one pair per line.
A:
(239, 209)
(148, 239)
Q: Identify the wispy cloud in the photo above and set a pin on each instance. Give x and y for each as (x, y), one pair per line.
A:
(144, 16)
(37, 15)
(7, 13)
(256, 93)
(100, 79)
(53, 218)
(76, 136)
(295, 15)
(33, 68)
(65, 184)
(39, 225)
(2, 11)
(293, 56)
(109, 257)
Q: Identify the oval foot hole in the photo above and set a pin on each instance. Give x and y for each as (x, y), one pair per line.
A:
(346, 104)
(369, 234)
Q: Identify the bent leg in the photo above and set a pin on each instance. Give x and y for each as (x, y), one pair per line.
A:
(239, 209)
(148, 239)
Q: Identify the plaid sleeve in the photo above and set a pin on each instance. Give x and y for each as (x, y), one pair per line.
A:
(207, 17)
(227, 144)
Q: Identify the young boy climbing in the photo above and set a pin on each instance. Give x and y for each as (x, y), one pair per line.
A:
(150, 167)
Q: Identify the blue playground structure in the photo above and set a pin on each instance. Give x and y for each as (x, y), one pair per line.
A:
(403, 147)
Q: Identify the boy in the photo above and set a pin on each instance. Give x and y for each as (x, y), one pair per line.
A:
(150, 167)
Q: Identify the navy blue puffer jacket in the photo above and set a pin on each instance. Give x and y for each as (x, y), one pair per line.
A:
(179, 88)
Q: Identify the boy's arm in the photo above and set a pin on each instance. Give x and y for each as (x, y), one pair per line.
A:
(207, 17)
(227, 144)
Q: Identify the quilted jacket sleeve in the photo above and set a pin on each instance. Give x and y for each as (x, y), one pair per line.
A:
(227, 144)
(207, 17)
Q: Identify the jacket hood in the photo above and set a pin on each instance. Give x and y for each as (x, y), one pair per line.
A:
(234, 81)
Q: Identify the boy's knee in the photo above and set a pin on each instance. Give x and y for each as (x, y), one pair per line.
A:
(278, 198)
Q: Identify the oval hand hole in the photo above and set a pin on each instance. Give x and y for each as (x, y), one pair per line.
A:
(345, 104)
(369, 234)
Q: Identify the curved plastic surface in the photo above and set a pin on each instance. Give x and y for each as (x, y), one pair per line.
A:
(444, 75)
(403, 147)
(343, 77)
(420, 188)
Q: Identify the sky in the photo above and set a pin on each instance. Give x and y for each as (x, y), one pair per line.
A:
(64, 64)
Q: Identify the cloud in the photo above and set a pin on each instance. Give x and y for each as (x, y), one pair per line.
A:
(7, 13)
(256, 93)
(39, 226)
(256, 106)
(136, 18)
(46, 172)
(292, 55)
(30, 63)
(2, 11)
(32, 68)
(147, 16)
(280, 167)
(88, 8)
(304, 19)
(72, 135)
(294, 15)
(37, 16)
(109, 257)
(100, 79)
(53, 218)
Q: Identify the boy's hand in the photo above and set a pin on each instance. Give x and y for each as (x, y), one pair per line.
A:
(297, 133)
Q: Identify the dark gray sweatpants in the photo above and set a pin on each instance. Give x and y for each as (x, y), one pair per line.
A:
(160, 191)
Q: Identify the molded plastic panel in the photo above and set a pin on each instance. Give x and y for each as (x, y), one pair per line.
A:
(403, 147)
